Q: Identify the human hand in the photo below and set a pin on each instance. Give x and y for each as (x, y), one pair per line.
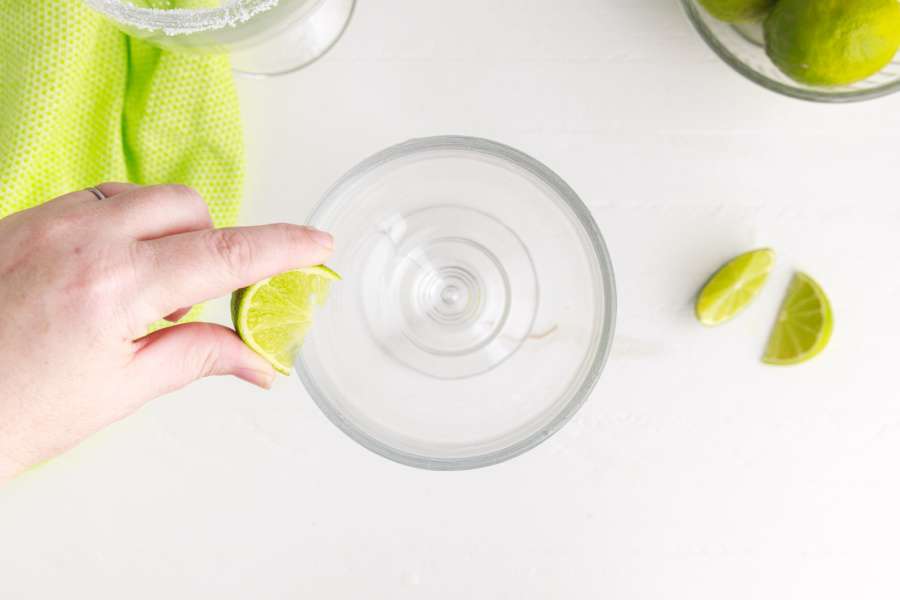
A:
(81, 279)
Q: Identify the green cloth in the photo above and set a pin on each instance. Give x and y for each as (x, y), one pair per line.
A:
(82, 103)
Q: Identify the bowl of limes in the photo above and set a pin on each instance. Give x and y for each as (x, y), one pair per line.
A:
(818, 50)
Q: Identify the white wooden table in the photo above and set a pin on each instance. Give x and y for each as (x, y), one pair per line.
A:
(694, 472)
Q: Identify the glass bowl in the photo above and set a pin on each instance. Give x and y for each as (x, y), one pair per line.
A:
(742, 47)
(263, 37)
(476, 310)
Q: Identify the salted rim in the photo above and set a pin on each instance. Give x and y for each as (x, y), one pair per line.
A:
(181, 21)
(603, 264)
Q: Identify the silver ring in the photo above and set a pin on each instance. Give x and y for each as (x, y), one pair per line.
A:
(97, 193)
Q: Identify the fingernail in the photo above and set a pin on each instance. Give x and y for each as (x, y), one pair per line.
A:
(263, 379)
(321, 238)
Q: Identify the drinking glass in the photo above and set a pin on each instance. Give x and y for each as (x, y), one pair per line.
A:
(476, 310)
(264, 37)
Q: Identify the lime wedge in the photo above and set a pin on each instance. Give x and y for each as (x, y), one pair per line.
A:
(273, 316)
(804, 324)
(732, 287)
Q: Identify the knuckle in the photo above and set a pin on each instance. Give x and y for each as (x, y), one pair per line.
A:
(234, 249)
(97, 282)
(188, 200)
(208, 362)
(287, 230)
(182, 192)
(204, 357)
(293, 235)
(109, 184)
(188, 197)
(195, 201)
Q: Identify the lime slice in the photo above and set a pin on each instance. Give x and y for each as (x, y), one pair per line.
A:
(804, 324)
(272, 316)
(732, 287)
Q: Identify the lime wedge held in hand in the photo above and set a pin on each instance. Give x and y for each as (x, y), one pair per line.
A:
(272, 316)
(733, 286)
(804, 324)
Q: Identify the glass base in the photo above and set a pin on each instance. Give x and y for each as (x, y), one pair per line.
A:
(442, 287)
(298, 43)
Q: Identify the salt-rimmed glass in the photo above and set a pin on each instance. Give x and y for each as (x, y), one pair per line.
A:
(264, 37)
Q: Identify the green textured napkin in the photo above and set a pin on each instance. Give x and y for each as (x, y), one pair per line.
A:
(82, 103)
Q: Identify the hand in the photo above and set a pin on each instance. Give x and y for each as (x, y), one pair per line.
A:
(81, 279)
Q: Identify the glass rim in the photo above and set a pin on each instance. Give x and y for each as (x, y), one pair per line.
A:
(172, 20)
(601, 259)
(809, 94)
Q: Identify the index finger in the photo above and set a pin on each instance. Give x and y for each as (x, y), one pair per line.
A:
(189, 268)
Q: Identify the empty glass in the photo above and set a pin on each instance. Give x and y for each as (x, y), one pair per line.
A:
(476, 309)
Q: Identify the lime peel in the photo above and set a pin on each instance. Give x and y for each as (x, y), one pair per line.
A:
(832, 42)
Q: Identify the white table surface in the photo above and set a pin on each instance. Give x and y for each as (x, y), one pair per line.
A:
(693, 472)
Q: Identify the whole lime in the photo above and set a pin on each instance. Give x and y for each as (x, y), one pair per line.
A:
(832, 42)
(737, 11)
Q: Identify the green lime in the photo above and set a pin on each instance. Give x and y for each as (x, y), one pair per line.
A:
(737, 11)
(273, 316)
(832, 42)
(804, 324)
(732, 287)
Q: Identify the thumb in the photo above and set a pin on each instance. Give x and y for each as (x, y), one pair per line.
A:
(171, 358)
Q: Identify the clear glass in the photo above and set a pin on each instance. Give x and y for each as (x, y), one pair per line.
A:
(477, 307)
(742, 47)
(264, 37)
